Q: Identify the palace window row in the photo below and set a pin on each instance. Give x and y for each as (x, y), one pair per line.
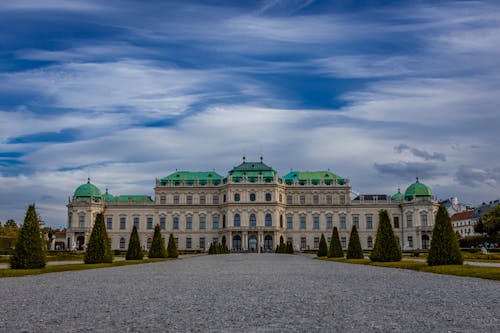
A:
(315, 199)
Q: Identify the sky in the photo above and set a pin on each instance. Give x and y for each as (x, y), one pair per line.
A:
(125, 92)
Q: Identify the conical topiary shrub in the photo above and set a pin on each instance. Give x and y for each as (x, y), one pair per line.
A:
(323, 248)
(444, 244)
(354, 250)
(157, 249)
(172, 247)
(386, 245)
(29, 249)
(99, 249)
(335, 250)
(134, 251)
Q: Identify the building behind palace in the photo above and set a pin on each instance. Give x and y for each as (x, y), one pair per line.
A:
(251, 209)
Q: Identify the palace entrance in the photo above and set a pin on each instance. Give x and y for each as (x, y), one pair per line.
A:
(268, 243)
(252, 243)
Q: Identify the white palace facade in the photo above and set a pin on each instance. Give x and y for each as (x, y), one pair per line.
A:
(251, 209)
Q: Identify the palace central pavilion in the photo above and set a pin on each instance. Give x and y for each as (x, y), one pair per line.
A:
(251, 209)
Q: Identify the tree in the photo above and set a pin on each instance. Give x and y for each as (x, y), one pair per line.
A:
(386, 244)
(172, 247)
(29, 251)
(99, 248)
(10, 229)
(335, 250)
(354, 250)
(444, 249)
(157, 249)
(490, 223)
(134, 251)
(323, 248)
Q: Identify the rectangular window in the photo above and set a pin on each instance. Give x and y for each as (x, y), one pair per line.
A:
(176, 199)
(343, 240)
(289, 199)
(315, 222)
(315, 199)
(215, 199)
(136, 222)
(423, 220)
(123, 223)
(329, 200)
(409, 221)
(289, 240)
(369, 222)
(163, 223)
(188, 242)
(396, 222)
(289, 222)
(342, 199)
(189, 200)
(410, 242)
(342, 220)
(176, 223)
(163, 200)
(215, 222)
(202, 243)
(302, 222)
(202, 200)
(202, 222)
(302, 199)
(329, 222)
(316, 242)
(189, 222)
(303, 243)
(81, 221)
(150, 223)
(109, 223)
(355, 221)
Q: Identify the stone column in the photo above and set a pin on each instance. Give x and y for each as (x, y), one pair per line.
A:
(244, 240)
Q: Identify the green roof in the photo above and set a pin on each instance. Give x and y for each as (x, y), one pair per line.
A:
(252, 170)
(189, 176)
(133, 198)
(314, 176)
(87, 190)
(398, 196)
(418, 190)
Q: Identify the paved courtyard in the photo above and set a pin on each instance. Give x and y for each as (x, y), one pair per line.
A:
(248, 293)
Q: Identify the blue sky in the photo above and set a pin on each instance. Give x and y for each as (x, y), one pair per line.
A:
(128, 91)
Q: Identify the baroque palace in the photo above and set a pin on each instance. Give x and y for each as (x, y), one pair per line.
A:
(252, 209)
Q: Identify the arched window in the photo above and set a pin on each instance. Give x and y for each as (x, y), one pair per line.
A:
(281, 222)
(252, 196)
(237, 221)
(122, 243)
(269, 220)
(369, 242)
(253, 221)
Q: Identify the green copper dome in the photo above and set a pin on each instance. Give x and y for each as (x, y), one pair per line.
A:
(108, 197)
(418, 190)
(87, 190)
(398, 196)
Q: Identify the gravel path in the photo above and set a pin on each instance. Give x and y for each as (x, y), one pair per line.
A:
(248, 292)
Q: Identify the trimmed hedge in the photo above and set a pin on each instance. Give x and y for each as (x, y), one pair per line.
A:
(335, 250)
(386, 244)
(99, 249)
(444, 244)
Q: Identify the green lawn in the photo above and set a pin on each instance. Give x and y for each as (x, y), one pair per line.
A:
(7, 272)
(490, 273)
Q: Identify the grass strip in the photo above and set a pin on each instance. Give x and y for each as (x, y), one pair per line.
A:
(7, 272)
(482, 272)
